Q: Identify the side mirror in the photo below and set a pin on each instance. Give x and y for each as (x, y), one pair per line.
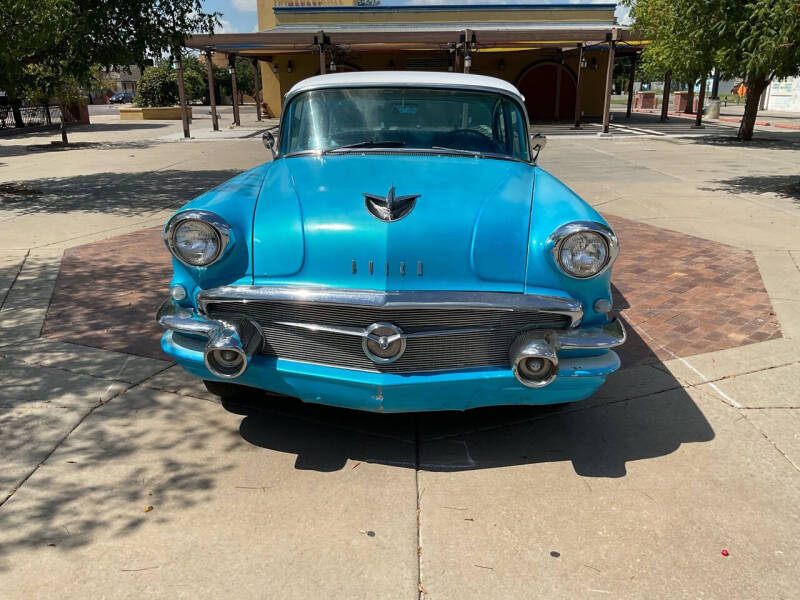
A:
(538, 142)
(269, 142)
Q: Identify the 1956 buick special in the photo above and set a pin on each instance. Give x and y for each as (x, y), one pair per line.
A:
(401, 252)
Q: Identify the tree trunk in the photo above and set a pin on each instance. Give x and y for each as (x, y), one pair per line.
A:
(64, 112)
(756, 88)
(18, 122)
(698, 122)
(665, 97)
(690, 99)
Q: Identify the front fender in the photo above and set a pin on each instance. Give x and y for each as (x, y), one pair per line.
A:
(234, 201)
(554, 205)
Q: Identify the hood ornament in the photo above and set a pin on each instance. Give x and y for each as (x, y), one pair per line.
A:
(390, 207)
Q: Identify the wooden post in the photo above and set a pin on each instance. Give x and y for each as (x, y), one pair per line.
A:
(698, 121)
(557, 102)
(182, 93)
(578, 107)
(320, 41)
(467, 50)
(612, 49)
(234, 89)
(258, 89)
(665, 96)
(630, 85)
(212, 97)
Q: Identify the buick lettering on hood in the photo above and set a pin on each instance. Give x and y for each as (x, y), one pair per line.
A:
(401, 252)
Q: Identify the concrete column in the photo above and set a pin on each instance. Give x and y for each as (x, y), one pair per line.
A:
(234, 89)
(630, 85)
(212, 96)
(258, 89)
(182, 94)
(612, 50)
(578, 107)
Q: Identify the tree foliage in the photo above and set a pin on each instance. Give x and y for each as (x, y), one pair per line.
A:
(245, 76)
(753, 39)
(44, 43)
(158, 86)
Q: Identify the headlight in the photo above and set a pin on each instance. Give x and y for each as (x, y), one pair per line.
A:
(197, 238)
(583, 249)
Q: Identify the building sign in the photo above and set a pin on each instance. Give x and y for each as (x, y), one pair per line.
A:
(784, 94)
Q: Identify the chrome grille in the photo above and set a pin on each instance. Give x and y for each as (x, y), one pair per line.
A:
(435, 353)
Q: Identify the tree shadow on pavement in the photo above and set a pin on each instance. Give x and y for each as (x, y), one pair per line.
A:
(783, 186)
(126, 194)
(137, 451)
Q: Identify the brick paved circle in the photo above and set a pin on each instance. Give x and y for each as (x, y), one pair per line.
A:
(681, 295)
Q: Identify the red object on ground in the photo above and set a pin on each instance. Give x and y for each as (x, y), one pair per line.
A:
(724, 552)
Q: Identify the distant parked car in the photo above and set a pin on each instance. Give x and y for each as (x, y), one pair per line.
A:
(402, 252)
(121, 98)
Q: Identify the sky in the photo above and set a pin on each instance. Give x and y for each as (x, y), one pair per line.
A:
(239, 16)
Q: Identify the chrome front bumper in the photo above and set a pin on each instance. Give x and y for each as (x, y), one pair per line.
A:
(244, 336)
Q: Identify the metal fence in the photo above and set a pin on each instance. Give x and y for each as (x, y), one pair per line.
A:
(31, 116)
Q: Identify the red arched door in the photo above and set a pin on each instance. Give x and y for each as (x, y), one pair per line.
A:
(547, 98)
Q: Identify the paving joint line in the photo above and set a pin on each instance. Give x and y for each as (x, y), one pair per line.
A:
(128, 387)
(38, 365)
(418, 513)
(52, 293)
(58, 444)
(16, 276)
(772, 443)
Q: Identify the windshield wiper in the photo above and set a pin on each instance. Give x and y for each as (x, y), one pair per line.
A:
(368, 144)
(474, 153)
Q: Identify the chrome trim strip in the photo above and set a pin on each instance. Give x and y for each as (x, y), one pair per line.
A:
(364, 332)
(218, 223)
(449, 299)
(553, 243)
(610, 335)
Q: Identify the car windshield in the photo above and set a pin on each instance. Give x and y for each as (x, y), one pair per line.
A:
(473, 122)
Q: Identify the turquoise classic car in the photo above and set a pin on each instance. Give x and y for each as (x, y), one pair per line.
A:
(401, 252)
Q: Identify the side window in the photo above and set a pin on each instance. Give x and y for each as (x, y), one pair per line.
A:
(499, 124)
(516, 130)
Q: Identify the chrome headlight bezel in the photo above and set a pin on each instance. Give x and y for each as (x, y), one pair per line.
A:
(220, 227)
(559, 236)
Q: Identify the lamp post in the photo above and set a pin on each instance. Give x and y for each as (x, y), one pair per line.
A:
(212, 97)
(257, 69)
(234, 90)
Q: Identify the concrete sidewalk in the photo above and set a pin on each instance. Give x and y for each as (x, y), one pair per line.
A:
(121, 477)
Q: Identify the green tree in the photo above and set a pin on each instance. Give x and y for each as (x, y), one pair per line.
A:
(678, 40)
(764, 44)
(45, 44)
(754, 39)
(158, 86)
(245, 77)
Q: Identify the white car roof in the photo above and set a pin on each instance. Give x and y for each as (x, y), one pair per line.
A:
(405, 78)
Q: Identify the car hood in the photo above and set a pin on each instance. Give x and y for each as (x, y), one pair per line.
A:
(468, 229)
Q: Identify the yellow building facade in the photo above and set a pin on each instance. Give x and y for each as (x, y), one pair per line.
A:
(556, 55)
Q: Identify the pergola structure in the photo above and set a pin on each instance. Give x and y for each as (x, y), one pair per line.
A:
(462, 43)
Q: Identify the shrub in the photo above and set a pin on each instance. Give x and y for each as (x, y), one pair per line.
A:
(158, 86)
